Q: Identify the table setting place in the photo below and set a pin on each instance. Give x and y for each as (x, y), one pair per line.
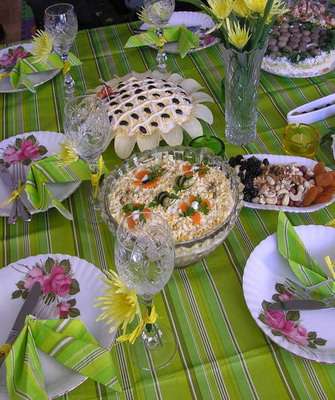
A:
(167, 191)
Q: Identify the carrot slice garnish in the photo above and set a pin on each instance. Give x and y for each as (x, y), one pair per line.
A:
(192, 198)
(187, 169)
(131, 223)
(151, 184)
(196, 218)
(205, 202)
(140, 174)
(147, 213)
(183, 206)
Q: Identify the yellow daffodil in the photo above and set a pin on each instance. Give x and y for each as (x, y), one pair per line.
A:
(119, 304)
(67, 154)
(221, 8)
(241, 8)
(42, 46)
(238, 36)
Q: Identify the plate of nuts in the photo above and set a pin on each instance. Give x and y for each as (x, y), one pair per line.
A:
(287, 183)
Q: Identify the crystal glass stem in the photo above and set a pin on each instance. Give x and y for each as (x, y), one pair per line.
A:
(161, 55)
(242, 72)
(151, 335)
(68, 80)
(94, 168)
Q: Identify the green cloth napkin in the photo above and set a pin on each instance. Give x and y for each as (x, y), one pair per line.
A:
(47, 171)
(305, 267)
(69, 342)
(19, 75)
(186, 39)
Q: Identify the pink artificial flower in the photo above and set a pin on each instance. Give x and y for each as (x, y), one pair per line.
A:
(298, 335)
(9, 59)
(34, 275)
(28, 150)
(11, 155)
(63, 309)
(57, 282)
(275, 319)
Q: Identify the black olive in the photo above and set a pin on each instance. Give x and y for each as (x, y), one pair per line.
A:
(179, 111)
(175, 101)
(134, 115)
(136, 85)
(150, 82)
(142, 129)
(186, 99)
(151, 87)
(168, 92)
(154, 123)
(118, 111)
(125, 96)
(110, 118)
(142, 98)
(167, 85)
(113, 103)
(161, 104)
(161, 196)
(156, 95)
(120, 85)
(137, 91)
(180, 180)
(147, 110)
(123, 122)
(129, 104)
(123, 91)
(164, 115)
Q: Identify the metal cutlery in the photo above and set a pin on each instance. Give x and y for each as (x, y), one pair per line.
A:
(306, 292)
(26, 309)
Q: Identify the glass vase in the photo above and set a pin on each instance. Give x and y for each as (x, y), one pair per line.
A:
(242, 71)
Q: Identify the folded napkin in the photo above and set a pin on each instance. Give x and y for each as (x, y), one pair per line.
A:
(186, 39)
(52, 170)
(306, 268)
(69, 342)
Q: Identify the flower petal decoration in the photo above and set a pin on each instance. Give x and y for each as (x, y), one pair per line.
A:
(238, 35)
(221, 8)
(145, 108)
(42, 46)
(203, 113)
(241, 8)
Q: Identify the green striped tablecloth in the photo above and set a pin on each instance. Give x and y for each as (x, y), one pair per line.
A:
(221, 351)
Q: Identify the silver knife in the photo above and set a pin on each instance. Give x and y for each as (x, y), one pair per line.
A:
(26, 309)
(299, 305)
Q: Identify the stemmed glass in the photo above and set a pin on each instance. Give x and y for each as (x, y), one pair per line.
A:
(159, 12)
(144, 257)
(88, 130)
(60, 21)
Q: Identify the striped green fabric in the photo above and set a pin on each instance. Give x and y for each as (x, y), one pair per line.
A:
(48, 171)
(305, 267)
(69, 342)
(222, 354)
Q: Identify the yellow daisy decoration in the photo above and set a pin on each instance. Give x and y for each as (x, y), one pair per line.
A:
(119, 305)
(237, 35)
(241, 8)
(67, 154)
(42, 46)
(221, 8)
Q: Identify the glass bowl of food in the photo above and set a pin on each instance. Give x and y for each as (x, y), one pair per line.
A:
(196, 192)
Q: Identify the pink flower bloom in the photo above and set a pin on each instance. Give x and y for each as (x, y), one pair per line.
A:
(63, 309)
(298, 335)
(28, 150)
(275, 319)
(11, 155)
(35, 275)
(57, 282)
(9, 59)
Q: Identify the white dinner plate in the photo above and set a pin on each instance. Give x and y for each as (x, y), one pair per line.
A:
(58, 378)
(281, 67)
(37, 78)
(265, 269)
(279, 159)
(188, 18)
(52, 141)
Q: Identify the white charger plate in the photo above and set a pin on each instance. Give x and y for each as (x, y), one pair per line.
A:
(52, 141)
(58, 379)
(280, 159)
(265, 268)
(37, 78)
(187, 18)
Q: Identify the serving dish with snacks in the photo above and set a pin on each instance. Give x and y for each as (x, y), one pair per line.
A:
(292, 184)
(196, 192)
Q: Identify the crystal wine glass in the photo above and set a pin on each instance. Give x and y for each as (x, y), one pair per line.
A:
(60, 21)
(88, 130)
(158, 13)
(144, 257)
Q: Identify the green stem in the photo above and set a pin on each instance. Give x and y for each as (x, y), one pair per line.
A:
(261, 24)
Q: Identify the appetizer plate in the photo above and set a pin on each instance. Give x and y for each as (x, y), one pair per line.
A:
(59, 379)
(282, 67)
(194, 19)
(308, 334)
(52, 141)
(36, 78)
(279, 159)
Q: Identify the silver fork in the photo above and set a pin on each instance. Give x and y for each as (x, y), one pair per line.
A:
(306, 292)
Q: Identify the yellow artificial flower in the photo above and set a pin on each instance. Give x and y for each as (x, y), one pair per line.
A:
(278, 8)
(221, 8)
(67, 154)
(119, 305)
(241, 8)
(237, 35)
(143, 16)
(42, 46)
(257, 6)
